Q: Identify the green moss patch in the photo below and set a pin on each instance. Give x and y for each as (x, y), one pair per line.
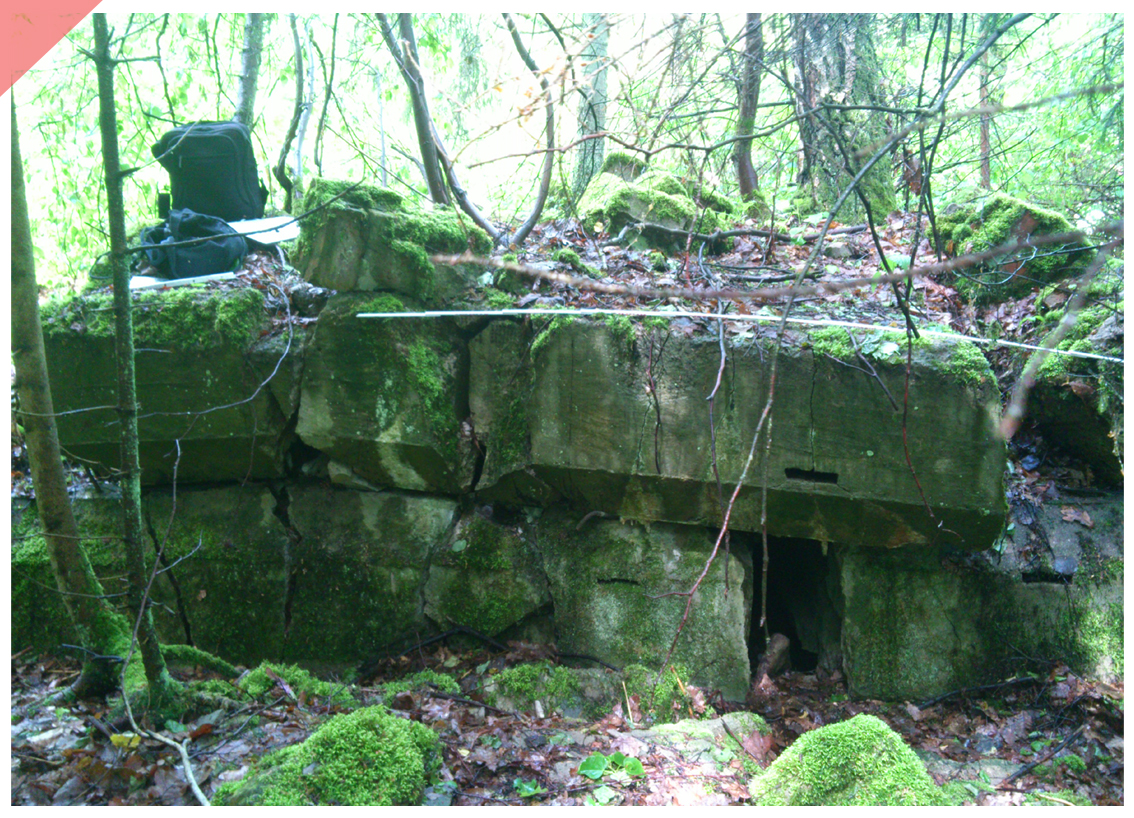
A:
(366, 758)
(860, 762)
(180, 317)
(259, 682)
(1000, 219)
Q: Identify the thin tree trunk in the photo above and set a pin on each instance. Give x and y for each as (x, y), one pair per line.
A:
(592, 107)
(130, 482)
(280, 169)
(749, 99)
(549, 157)
(405, 55)
(249, 69)
(100, 630)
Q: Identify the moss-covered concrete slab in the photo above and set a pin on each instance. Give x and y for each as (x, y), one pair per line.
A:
(358, 565)
(998, 219)
(387, 397)
(486, 576)
(585, 424)
(196, 384)
(374, 239)
(607, 582)
(921, 622)
(229, 591)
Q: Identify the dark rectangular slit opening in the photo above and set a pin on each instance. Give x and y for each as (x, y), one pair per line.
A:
(811, 476)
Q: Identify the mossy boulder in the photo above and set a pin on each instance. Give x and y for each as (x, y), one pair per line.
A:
(370, 757)
(860, 762)
(374, 239)
(625, 166)
(999, 219)
(196, 378)
(609, 583)
(1077, 402)
(387, 397)
(486, 577)
(654, 199)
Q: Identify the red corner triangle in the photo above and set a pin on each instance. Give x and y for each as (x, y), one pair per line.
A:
(30, 33)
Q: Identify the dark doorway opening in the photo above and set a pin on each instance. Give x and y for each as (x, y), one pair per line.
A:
(799, 604)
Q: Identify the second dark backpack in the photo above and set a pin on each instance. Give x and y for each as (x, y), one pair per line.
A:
(212, 170)
(219, 250)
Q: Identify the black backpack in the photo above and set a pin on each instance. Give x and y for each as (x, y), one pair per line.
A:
(221, 252)
(212, 170)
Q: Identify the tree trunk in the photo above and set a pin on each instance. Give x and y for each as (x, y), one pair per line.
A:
(280, 169)
(592, 107)
(749, 98)
(130, 482)
(100, 629)
(836, 66)
(985, 121)
(249, 69)
(405, 55)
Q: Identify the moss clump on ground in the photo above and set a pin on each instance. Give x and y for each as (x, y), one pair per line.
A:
(860, 762)
(181, 317)
(623, 329)
(967, 363)
(833, 341)
(382, 303)
(261, 680)
(572, 260)
(552, 685)
(422, 678)
(366, 758)
(497, 300)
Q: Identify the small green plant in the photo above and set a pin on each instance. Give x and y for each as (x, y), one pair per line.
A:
(616, 765)
(528, 789)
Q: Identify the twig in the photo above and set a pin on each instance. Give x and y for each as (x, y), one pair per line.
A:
(1029, 767)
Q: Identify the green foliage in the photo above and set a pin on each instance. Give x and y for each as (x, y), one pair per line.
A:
(528, 789)
(596, 765)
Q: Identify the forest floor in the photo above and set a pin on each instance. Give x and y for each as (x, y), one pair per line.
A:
(1051, 738)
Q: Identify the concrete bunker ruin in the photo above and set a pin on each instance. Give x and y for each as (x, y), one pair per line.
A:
(553, 477)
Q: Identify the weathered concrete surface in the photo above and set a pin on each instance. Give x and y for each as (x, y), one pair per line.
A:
(358, 569)
(227, 588)
(606, 580)
(196, 382)
(387, 398)
(920, 622)
(837, 472)
(373, 239)
(486, 577)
